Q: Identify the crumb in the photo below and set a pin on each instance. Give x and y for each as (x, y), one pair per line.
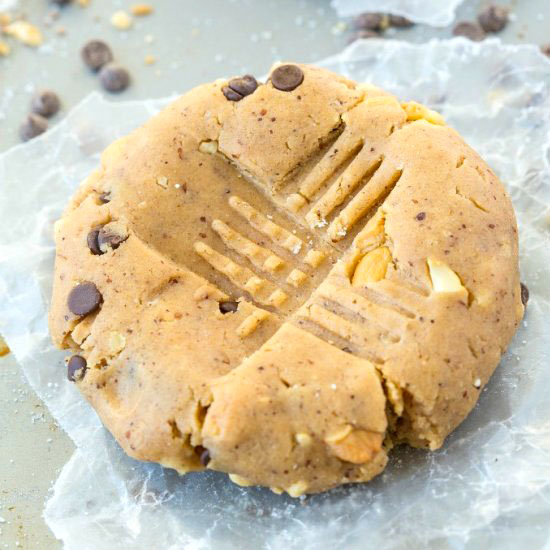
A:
(25, 32)
(149, 59)
(141, 9)
(83, 3)
(61, 31)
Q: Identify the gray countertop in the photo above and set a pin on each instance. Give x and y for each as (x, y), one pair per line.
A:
(192, 42)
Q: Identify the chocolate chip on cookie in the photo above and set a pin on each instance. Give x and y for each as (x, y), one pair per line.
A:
(91, 239)
(229, 307)
(287, 77)
(45, 103)
(240, 87)
(493, 19)
(105, 197)
(76, 368)
(421, 216)
(95, 54)
(84, 298)
(111, 236)
(524, 294)
(203, 454)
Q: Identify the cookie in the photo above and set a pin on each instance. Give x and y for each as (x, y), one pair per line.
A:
(283, 280)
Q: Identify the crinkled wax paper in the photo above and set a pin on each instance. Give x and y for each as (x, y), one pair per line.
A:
(490, 484)
(430, 12)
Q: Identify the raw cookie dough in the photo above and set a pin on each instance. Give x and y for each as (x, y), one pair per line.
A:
(282, 280)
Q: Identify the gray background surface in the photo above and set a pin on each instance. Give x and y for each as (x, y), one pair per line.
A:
(193, 41)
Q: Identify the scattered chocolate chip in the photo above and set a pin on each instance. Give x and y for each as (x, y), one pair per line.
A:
(400, 22)
(76, 368)
(371, 21)
(545, 49)
(363, 34)
(33, 126)
(93, 245)
(228, 307)
(470, 30)
(524, 294)
(95, 54)
(240, 87)
(346, 349)
(421, 216)
(108, 237)
(230, 94)
(114, 77)
(45, 103)
(287, 77)
(204, 455)
(84, 298)
(105, 197)
(60, 2)
(493, 19)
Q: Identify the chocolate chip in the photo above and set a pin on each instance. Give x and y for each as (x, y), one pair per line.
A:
(33, 126)
(524, 294)
(228, 307)
(95, 54)
(287, 77)
(363, 35)
(60, 2)
(105, 197)
(108, 237)
(84, 298)
(230, 94)
(240, 87)
(371, 21)
(114, 77)
(421, 216)
(470, 30)
(91, 239)
(76, 368)
(45, 103)
(204, 455)
(400, 22)
(493, 19)
(545, 49)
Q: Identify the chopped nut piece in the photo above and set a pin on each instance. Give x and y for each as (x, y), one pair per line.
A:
(297, 489)
(240, 480)
(340, 434)
(209, 147)
(116, 342)
(303, 439)
(121, 20)
(358, 447)
(163, 181)
(141, 9)
(25, 32)
(444, 279)
(417, 111)
(372, 267)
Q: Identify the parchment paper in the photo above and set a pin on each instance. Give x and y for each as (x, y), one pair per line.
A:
(489, 487)
(438, 13)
